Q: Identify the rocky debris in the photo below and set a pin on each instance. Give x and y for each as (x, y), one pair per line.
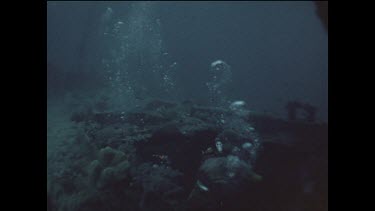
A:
(145, 119)
(161, 186)
(171, 156)
(111, 167)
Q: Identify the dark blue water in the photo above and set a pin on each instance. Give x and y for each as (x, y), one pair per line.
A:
(277, 50)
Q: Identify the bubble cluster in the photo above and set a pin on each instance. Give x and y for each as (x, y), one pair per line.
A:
(135, 62)
(220, 77)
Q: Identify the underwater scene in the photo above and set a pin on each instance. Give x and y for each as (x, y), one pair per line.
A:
(187, 105)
